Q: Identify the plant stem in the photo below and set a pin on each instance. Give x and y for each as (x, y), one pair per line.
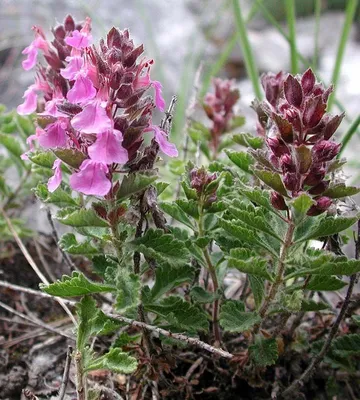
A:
(250, 64)
(280, 270)
(349, 16)
(80, 379)
(291, 19)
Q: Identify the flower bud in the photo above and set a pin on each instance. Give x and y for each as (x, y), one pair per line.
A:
(277, 146)
(272, 85)
(200, 178)
(278, 201)
(322, 204)
(292, 181)
(308, 81)
(316, 175)
(325, 150)
(319, 188)
(314, 110)
(287, 164)
(293, 91)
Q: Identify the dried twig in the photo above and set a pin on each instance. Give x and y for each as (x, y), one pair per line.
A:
(32, 263)
(38, 323)
(177, 336)
(65, 378)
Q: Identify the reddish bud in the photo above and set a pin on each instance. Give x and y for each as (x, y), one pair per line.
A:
(325, 150)
(132, 57)
(277, 146)
(272, 85)
(114, 38)
(315, 176)
(332, 125)
(292, 181)
(308, 81)
(125, 90)
(314, 110)
(322, 204)
(293, 91)
(285, 128)
(287, 164)
(278, 201)
(200, 178)
(69, 24)
(319, 188)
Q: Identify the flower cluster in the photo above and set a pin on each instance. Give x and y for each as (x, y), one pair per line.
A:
(299, 136)
(205, 184)
(92, 102)
(219, 108)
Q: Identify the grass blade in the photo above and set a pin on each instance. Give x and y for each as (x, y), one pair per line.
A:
(291, 20)
(316, 35)
(250, 64)
(349, 134)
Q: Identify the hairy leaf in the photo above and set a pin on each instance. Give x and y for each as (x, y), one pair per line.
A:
(115, 360)
(72, 157)
(80, 218)
(134, 183)
(69, 244)
(302, 203)
(60, 197)
(233, 317)
(177, 213)
(241, 159)
(264, 351)
(341, 190)
(190, 207)
(272, 179)
(311, 305)
(247, 140)
(325, 283)
(202, 296)
(43, 158)
(257, 285)
(346, 345)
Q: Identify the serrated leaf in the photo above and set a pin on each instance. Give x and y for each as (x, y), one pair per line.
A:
(177, 213)
(72, 157)
(75, 285)
(69, 244)
(190, 207)
(161, 246)
(356, 319)
(328, 226)
(311, 305)
(134, 183)
(179, 313)
(257, 285)
(43, 158)
(302, 203)
(124, 339)
(233, 317)
(201, 296)
(128, 291)
(247, 140)
(237, 122)
(340, 190)
(60, 197)
(259, 197)
(252, 265)
(115, 360)
(325, 283)
(86, 311)
(271, 179)
(80, 218)
(12, 145)
(103, 263)
(346, 345)
(160, 187)
(25, 123)
(189, 192)
(241, 159)
(264, 351)
(167, 278)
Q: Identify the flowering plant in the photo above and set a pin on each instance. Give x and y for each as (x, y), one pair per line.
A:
(253, 215)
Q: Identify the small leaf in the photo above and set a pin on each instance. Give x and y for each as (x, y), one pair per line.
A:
(247, 140)
(325, 283)
(201, 296)
(69, 244)
(128, 290)
(115, 360)
(311, 305)
(12, 145)
(341, 190)
(237, 122)
(167, 278)
(177, 213)
(272, 179)
(233, 317)
(161, 246)
(264, 351)
(79, 218)
(134, 183)
(346, 345)
(72, 157)
(259, 197)
(241, 159)
(75, 285)
(304, 158)
(43, 158)
(160, 187)
(302, 203)
(257, 285)
(190, 207)
(60, 197)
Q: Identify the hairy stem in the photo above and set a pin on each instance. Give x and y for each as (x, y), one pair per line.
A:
(80, 377)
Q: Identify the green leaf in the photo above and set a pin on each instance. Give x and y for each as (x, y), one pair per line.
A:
(115, 360)
(302, 203)
(12, 145)
(252, 265)
(43, 158)
(26, 124)
(168, 278)
(259, 197)
(272, 179)
(201, 296)
(257, 285)
(264, 351)
(177, 213)
(233, 317)
(75, 285)
(86, 311)
(190, 207)
(311, 305)
(103, 263)
(72, 157)
(240, 159)
(340, 190)
(247, 140)
(60, 197)
(128, 291)
(134, 183)
(356, 319)
(327, 226)
(69, 244)
(325, 283)
(161, 246)
(189, 192)
(179, 313)
(80, 218)
(237, 122)
(346, 345)
(160, 187)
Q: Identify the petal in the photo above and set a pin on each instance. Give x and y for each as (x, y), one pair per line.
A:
(91, 179)
(30, 140)
(73, 68)
(30, 60)
(30, 103)
(108, 149)
(92, 119)
(55, 180)
(54, 135)
(159, 100)
(78, 40)
(165, 146)
(82, 91)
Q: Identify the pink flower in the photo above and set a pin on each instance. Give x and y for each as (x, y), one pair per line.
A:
(55, 180)
(91, 179)
(165, 146)
(159, 100)
(82, 91)
(108, 149)
(92, 119)
(75, 65)
(51, 106)
(79, 40)
(32, 52)
(30, 103)
(54, 135)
